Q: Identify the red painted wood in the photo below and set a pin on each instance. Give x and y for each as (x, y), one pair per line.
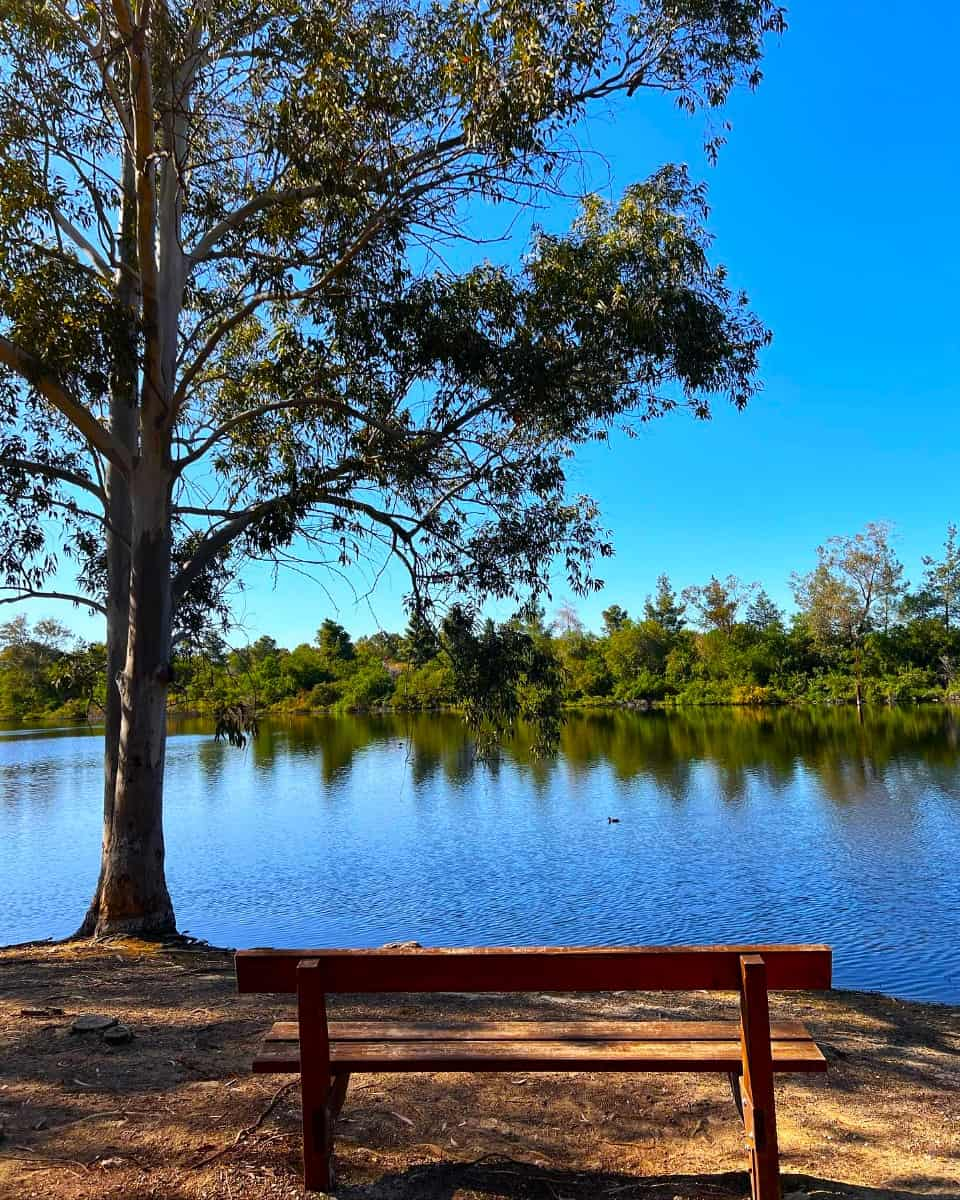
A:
(315, 1072)
(539, 969)
(760, 1115)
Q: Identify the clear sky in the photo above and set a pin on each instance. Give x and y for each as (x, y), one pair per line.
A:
(835, 205)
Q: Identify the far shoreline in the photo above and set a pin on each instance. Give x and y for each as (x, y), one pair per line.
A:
(53, 721)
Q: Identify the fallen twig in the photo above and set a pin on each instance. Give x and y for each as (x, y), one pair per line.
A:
(49, 1163)
(248, 1129)
(97, 1116)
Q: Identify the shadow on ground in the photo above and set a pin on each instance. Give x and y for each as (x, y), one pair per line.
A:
(511, 1180)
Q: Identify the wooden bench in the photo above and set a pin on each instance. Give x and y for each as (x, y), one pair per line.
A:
(750, 1051)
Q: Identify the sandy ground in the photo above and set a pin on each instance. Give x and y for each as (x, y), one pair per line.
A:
(176, 1113)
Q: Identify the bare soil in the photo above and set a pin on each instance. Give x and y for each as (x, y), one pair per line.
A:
(176, 1114)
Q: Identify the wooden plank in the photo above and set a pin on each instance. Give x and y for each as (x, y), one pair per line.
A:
(537, 1031)
(388, 1056)
(535, 969)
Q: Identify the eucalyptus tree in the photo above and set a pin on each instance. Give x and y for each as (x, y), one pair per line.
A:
(857, 583)
(856, 586)
(229, 330)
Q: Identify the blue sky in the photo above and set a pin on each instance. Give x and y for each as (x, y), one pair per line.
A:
(834, 204)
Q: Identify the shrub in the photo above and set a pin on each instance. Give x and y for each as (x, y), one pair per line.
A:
(369, 686)
(644, 685)
(754, 694)
(324, 695)
(704, 691)
(429, 686)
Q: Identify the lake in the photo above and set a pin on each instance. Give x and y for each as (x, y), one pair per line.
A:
(732, 825)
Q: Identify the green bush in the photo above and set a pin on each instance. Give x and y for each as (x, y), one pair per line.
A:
(909, 685)
(704, 691)
(325, 695)
(429, 686)
(644, 685)
(754, 694)
(369, 686)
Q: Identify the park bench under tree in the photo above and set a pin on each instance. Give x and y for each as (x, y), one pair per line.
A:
(750, 1051)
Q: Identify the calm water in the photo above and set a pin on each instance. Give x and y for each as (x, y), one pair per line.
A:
(733, 826)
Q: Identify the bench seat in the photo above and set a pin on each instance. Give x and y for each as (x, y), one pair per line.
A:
(387, 1046)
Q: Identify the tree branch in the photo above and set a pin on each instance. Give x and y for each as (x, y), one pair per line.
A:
(33, 371)
(49, 471)
(145, 164)
(124, 17)
(97, 52)
(390, 521)
(185, 510)
(259, 298)
(220, 538)
(299, 194)
(367, 233)
(261, 410)
(239, 215)
(81, 242)
(215, 542)
(30, 594)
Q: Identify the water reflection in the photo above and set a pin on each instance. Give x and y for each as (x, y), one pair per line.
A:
(734, 825)
(745, 748)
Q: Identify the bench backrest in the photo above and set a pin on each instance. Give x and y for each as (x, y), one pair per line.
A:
(535, 969)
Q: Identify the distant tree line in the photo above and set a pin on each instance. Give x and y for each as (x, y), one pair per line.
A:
(860, 632)
(45, 672)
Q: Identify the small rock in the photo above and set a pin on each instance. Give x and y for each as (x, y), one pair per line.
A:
(92, 1023)
(117, 1035)
(401, 946)
(105, 1164)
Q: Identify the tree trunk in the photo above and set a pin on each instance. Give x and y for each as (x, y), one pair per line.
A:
(132, 894)
(119, 532)
(118, 610)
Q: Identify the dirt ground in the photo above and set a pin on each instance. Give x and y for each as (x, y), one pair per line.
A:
(176, 1114)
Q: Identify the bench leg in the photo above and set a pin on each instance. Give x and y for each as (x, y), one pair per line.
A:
(760, 1127)
(765, 1163)
(758, 1107)
(735, 1091)
(764, 1176)
(338, 1093)
(315, 1080)
(317, 1140)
